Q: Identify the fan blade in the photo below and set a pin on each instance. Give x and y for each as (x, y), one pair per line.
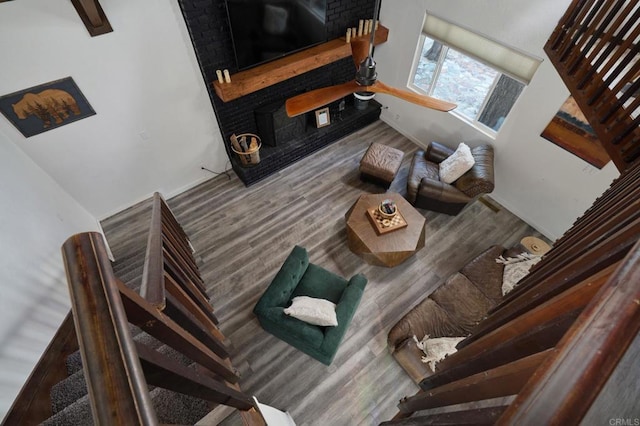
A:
(317, 98)
(359, 50)
(423, 100)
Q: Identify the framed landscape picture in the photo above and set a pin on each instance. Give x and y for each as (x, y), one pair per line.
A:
(570, 130)
(45, 107)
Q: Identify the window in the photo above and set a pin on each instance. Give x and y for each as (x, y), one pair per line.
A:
(483, 77)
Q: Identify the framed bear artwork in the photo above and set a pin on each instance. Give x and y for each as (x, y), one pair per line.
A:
(45, 107)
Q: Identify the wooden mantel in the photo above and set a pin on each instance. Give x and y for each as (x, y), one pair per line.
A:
(266, 75)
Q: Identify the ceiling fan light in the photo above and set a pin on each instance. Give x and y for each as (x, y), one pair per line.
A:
(364, 96)
(362, 99)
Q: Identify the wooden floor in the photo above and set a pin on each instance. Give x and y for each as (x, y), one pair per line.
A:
(242, 236)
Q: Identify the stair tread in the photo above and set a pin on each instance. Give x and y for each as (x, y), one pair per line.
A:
(76, 414)
(68, 391)
(170, 407)
(73, 363)
(74, 387)
(176, 408)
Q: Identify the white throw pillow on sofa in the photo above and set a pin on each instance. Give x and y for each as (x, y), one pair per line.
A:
(457, 164)
(313, 311)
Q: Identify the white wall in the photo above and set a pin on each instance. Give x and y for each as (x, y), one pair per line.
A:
(540, 182)
(36, 217)
(141, 78)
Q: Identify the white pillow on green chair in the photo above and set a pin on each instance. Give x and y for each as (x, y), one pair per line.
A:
(313, 311)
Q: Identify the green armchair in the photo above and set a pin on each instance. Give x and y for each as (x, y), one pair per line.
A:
(298, 277)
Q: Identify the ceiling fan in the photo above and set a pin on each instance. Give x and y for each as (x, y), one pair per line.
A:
(364, 86)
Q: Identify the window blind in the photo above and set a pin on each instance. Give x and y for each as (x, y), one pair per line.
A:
(505, 59)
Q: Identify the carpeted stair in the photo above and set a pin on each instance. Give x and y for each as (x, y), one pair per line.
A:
(69, 400)
(71, 406)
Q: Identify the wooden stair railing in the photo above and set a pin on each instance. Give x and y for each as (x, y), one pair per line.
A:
(173, 308)
(595, 48)
(600, 238)
(571, 378)
(115, 381)
(171, 280)
(539, 329)
(118, 369)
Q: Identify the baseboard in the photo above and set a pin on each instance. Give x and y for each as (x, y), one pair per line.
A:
(166, 195)
(524, 217)
(395, 127)
(106, 243)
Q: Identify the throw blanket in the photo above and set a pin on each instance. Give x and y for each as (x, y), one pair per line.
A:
(516, 268)
(436, 349)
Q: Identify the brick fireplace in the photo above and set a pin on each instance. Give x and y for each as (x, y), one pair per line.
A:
(211, 37)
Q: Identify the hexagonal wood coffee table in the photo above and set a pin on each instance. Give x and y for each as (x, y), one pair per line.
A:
(390, 249)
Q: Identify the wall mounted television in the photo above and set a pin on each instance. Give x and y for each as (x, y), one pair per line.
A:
(263, 30)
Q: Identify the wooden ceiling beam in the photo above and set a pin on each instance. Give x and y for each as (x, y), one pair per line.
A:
(92, 16)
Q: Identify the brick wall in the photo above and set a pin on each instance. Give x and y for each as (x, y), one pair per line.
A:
(211, 37)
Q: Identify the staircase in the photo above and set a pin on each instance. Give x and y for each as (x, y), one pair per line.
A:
(142, 350)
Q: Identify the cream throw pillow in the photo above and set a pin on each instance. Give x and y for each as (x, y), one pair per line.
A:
(457, 164)
(313, 311)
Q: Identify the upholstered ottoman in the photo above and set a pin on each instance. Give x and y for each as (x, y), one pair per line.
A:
(380, 164)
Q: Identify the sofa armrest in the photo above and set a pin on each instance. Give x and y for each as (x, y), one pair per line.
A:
(440, 191)
(286, 280)
(420, 168)
(409, 357)
(436, 152)
(480, 179)
(357, 281)
(345, 310)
